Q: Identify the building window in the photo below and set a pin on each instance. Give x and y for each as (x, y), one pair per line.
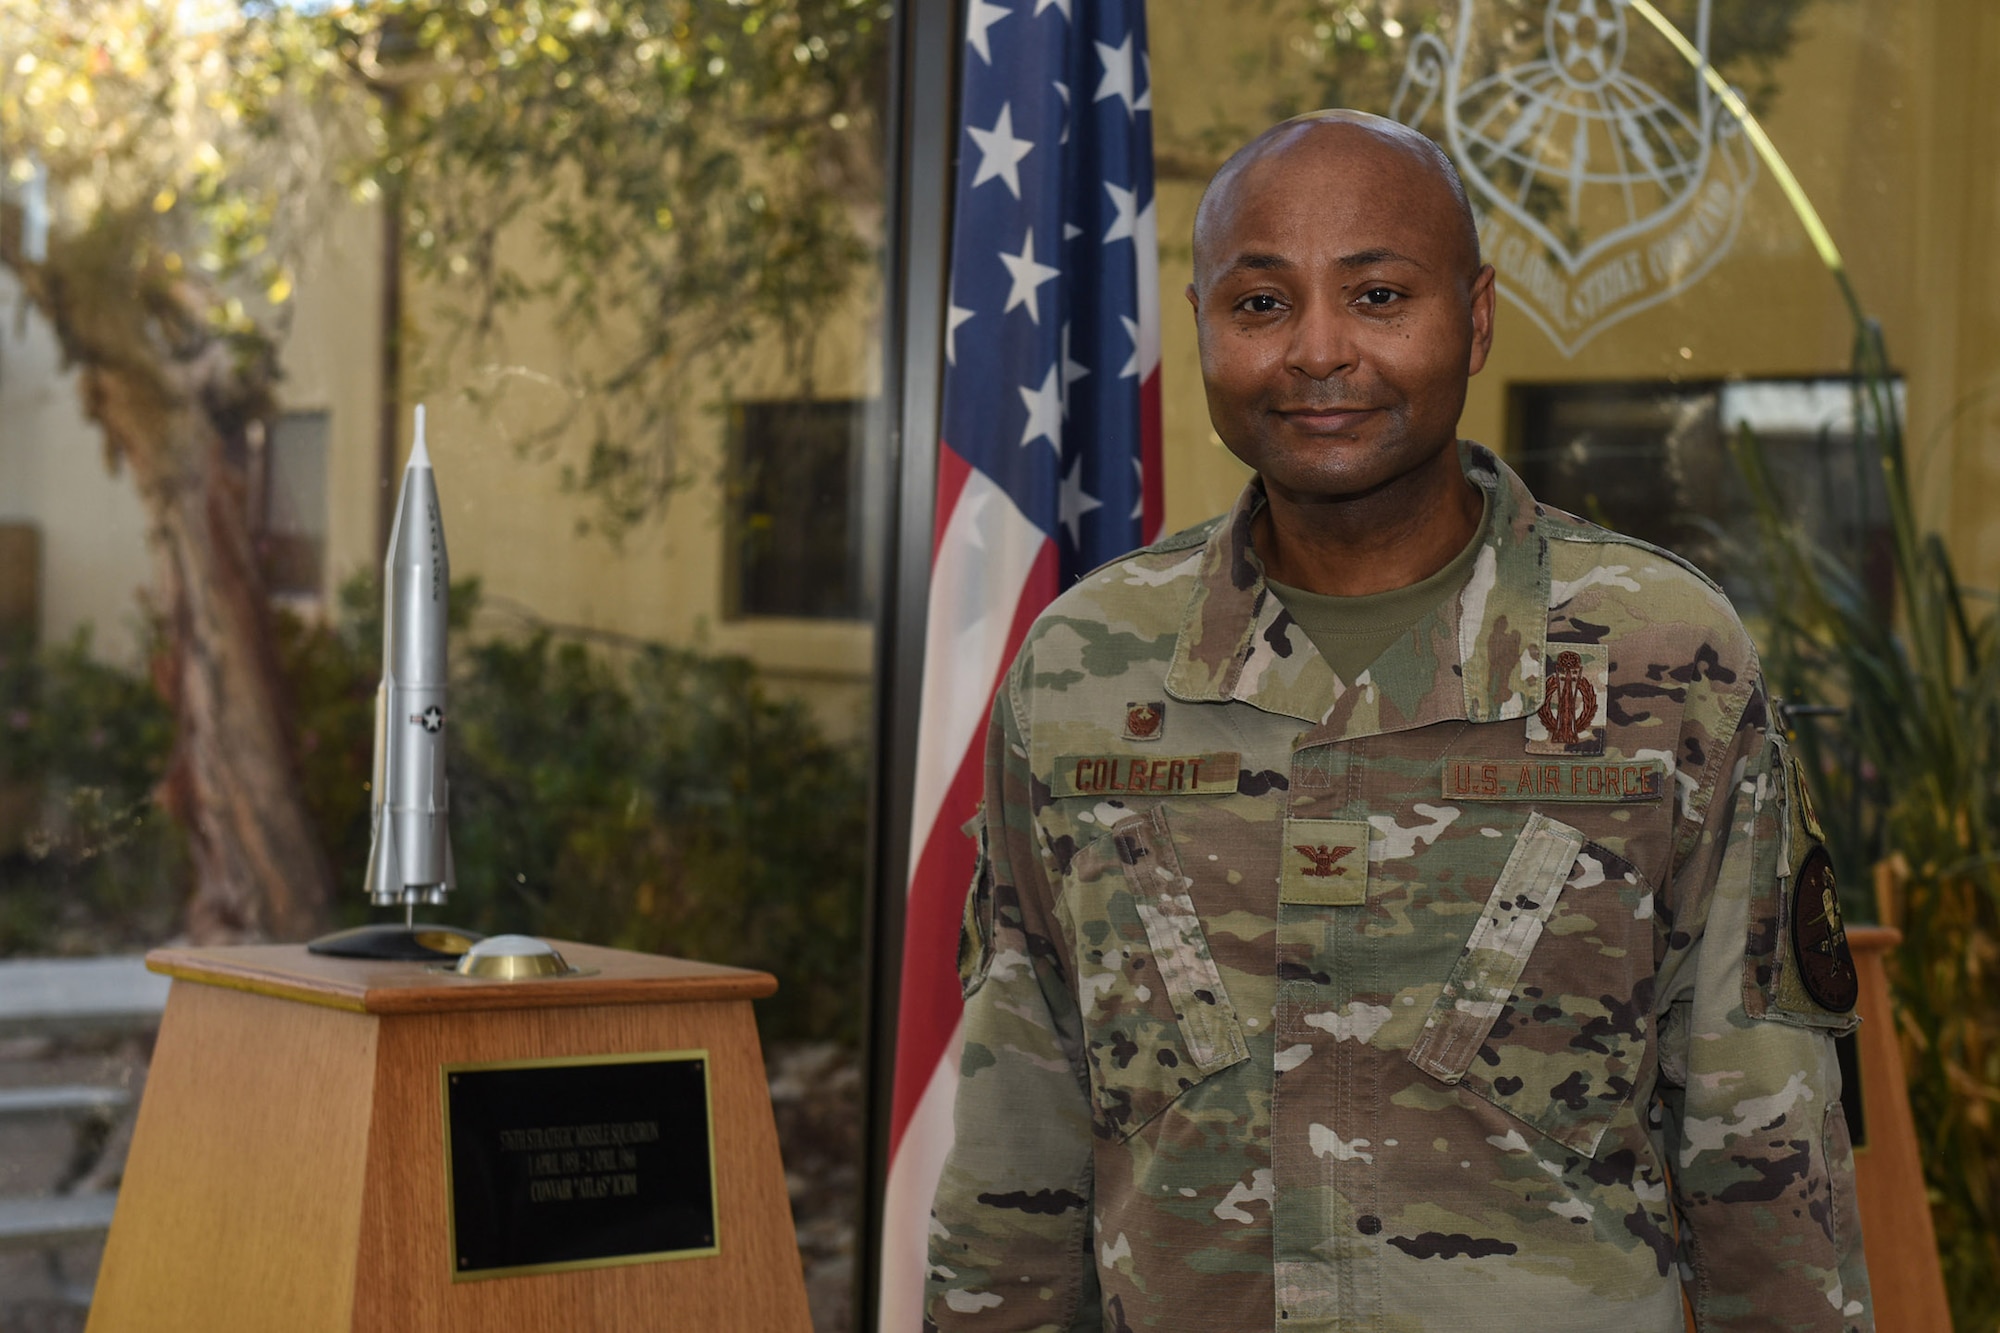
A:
(795, 495)
(1652, 460)
(288, 483)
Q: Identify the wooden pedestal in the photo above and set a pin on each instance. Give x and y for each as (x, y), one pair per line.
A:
(288, 1166)
(1888, 1171)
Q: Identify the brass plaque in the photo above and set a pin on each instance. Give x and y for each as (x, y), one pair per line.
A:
(578, 1163)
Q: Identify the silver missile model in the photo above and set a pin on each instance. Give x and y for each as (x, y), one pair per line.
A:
(409, 858)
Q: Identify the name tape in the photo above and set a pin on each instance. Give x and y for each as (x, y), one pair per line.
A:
(1166, 775)
(1537, 779)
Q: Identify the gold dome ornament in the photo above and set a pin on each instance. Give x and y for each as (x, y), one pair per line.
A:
(512, 958)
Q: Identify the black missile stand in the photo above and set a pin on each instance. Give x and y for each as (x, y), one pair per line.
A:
(409, 942)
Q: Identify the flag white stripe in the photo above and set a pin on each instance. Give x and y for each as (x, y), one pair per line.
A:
(983, 559)
(906, 1201)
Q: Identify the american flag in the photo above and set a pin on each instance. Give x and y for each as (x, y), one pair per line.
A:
(1049, 466)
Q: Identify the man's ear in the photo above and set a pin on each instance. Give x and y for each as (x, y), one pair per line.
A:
(1483, 298)
(1193, 300)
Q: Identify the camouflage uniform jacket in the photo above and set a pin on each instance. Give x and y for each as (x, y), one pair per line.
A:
(1469, 994)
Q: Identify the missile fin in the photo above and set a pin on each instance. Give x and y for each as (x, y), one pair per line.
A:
(385, 868)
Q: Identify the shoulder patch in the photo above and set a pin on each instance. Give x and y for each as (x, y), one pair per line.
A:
(1798, 968)
(1819, 938)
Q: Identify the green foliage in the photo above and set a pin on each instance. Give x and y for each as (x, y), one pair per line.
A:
(647, 797)
(666, 805)
(1912, 759)
(88, 859)
(668, 179)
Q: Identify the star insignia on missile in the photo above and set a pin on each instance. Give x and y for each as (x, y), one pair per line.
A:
(432, 719)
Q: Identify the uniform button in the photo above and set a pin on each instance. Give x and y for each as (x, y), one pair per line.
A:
(1368, 1224)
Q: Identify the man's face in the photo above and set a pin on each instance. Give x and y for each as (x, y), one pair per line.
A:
(1339, 314)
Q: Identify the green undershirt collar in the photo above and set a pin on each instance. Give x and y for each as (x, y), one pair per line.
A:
(1351, 632)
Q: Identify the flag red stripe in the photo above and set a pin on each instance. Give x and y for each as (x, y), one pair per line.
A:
(1153, 514)
(936, 901)
(952, 472)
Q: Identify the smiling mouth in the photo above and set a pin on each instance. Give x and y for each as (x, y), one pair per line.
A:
(1332, 420)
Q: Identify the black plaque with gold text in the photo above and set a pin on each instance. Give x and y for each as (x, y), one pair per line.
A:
(578, 1163)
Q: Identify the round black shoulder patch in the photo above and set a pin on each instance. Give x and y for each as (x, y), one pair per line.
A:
(1819, 938)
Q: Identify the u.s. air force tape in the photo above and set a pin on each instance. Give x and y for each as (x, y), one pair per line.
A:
(1538, 779)
(1147, 775)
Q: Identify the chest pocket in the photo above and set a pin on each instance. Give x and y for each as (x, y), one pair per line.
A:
(1547, 1012)
(1156, 1018)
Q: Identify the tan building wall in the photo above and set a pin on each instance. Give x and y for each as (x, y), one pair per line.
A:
(1884, 112)
(541, 556)
(1881, 109)
(53, 478)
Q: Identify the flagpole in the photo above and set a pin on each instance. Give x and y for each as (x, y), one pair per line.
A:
(922, 97)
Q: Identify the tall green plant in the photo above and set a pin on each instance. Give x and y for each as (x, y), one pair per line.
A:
(1915, 756)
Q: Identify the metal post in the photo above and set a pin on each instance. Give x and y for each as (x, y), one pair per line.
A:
(922, 106)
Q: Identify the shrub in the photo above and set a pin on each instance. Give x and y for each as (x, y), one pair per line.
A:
(637, 795)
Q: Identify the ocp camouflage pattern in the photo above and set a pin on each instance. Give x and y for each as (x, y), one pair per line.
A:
(1540, 1069)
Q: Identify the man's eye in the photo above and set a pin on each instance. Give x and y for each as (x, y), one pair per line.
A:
(1260, 303)
(1380, 296)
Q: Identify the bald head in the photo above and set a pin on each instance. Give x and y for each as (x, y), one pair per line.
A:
(1380, 153)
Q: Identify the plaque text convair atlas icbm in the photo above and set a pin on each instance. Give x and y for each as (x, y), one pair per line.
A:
(409, 860)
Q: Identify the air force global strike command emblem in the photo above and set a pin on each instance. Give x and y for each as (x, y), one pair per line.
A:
(1605, 174)
(1819, 937)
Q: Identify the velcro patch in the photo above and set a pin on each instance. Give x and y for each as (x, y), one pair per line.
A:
(1819, 937)
(1326, 863)
(1148, 775)
(1539, 779)
(1571, 719)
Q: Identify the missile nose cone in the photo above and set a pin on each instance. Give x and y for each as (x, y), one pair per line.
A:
(419, 456)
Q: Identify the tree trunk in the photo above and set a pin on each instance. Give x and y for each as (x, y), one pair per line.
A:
(170, 391)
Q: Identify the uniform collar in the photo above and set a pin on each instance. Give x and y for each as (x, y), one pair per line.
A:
(1478, 657)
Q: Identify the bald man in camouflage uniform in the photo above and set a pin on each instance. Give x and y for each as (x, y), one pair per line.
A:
(1398, 909)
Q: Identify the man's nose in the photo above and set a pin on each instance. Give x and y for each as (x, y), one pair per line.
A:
(1322, 340)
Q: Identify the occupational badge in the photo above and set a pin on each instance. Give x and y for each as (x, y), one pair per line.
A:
(1144, 721)
(1571, 718)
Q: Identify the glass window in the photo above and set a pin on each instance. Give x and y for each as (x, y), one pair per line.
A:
(796, 509)
(291, 525)
(576, 233)
(1654, 460)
